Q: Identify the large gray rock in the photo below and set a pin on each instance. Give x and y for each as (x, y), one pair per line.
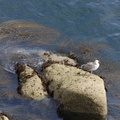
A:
(30, 84)
(79, 93)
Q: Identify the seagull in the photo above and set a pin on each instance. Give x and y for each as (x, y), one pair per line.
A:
(90, 66)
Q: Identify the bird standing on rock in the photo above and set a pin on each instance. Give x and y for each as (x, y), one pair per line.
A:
(90, 66)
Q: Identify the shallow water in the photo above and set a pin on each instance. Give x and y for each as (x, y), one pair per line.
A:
(17, 107)
(91, 21)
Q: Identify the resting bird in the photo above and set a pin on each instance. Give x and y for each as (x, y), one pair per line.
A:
(91, 66)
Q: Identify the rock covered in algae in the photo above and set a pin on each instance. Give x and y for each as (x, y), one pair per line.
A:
(78, 92)
(50, 56)
(30, 84)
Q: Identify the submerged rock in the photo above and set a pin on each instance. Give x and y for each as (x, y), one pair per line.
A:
(30, 84)
(15, 32)
(81, 95)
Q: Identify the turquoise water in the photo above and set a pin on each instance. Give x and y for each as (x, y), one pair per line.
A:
(80, 20)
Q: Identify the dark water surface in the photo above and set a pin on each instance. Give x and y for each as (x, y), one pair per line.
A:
(94, 22)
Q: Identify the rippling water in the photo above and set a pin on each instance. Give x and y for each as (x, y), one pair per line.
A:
(79, 20)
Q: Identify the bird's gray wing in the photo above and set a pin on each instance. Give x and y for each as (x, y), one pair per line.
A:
(87, 66)
(90, 63)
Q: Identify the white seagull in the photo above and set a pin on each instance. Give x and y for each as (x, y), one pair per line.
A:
(90, 66)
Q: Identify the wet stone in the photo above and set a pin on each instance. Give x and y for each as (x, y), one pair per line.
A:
(3, 116)
(30, 84)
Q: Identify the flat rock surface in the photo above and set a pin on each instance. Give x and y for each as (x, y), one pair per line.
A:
(49, 56)
(77, 90)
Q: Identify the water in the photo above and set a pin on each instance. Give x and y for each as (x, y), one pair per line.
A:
(94, 21)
